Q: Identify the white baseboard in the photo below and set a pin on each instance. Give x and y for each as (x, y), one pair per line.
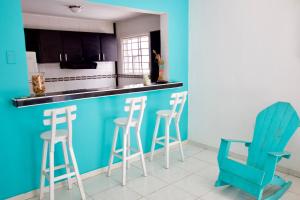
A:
(280, 168)
(84, 176)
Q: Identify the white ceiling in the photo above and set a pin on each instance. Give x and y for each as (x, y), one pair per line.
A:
(89, 11)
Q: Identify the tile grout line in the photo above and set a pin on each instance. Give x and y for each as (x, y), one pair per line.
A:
(168, 184)
(159, 152)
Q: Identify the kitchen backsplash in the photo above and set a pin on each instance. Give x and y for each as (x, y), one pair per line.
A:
(57, 79)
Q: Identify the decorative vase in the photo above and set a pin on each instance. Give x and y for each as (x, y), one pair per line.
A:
(38, 84)
(147, 80)
(161, 76)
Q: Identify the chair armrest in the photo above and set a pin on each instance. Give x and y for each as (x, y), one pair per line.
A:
(247, 144)
(284, 154)
(225, 146)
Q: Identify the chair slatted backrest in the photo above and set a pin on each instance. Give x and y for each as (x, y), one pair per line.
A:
(274, 127)
(54, 117)
(177, 102)
(134, 105)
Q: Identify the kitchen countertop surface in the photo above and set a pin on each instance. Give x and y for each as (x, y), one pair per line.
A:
(89, 93)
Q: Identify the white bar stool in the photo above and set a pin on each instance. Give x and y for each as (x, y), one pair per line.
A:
(177, 101)
(135, 106)
(53, 118)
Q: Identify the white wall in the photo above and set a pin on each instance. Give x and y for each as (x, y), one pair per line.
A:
(244, 56)
(139, 25)
(67, 24)
(164, 43)
(133, 27)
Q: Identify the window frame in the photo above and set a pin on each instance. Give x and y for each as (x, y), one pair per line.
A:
(141, 70)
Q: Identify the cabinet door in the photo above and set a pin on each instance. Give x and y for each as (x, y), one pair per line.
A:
(91, 46)
(109, 47)
(49, 46)
(72, 46)
(31, 42)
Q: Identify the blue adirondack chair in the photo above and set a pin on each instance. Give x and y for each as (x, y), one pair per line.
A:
(274, 127)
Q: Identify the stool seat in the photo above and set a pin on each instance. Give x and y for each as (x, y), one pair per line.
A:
(166, 113)
(123, 121)
(61, 134)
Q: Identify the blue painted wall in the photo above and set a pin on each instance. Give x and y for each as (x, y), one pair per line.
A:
(20, 145)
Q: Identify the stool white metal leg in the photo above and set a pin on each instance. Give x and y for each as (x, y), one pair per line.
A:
(51, 138)
(111, 159)
(124, 158)
(77, 172)
(179, 139)
(128, 149)
(44, 163)
(67, 163)
(128, 153)
(51, 179)
(140, 149)
(154, 136)
(167, 143)
(177, 101)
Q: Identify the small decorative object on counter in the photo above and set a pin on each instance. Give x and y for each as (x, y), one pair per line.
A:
(147, 80)
(38, 84)
(160, 61)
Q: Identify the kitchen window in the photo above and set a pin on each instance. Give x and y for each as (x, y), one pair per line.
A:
(136, 55)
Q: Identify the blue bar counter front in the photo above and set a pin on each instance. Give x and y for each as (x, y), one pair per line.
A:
(20, 128)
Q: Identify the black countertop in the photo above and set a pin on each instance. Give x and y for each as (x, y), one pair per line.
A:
(89, 93)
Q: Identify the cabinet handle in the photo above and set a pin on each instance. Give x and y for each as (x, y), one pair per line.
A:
(99, 57)
(103, 56)
(60, 59)
(66, 57)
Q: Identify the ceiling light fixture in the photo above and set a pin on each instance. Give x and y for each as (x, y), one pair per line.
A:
(75, 8)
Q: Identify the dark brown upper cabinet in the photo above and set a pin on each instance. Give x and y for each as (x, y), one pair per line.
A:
(109, 47)
(46, 43)
(67, 46)
(31, 36)
(91, 46)
(72, 46)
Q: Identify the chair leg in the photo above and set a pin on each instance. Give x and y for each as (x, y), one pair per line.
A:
(220, 183)
(179, 140)
(167, 143)
(124, 160)
(140, 147)
(77, 172)
(280, 192)
(154, 137)
(44, 163)
(260, 195)
(277, 180)
(67, 163)
(51, 179)
(111, 159)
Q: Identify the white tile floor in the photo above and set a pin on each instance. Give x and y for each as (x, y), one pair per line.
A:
(193, 179)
